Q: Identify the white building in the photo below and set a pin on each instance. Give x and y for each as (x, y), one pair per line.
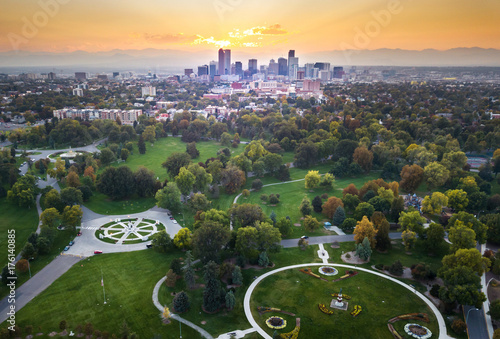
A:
(148, 91)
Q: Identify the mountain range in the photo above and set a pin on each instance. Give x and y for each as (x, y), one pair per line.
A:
(170, 60)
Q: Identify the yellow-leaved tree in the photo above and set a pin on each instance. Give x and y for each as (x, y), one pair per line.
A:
(365, 229)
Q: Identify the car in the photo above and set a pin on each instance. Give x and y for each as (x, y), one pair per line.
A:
(174, 221)
(66, 248)
(97, 252)
(304, 237)
(171, 218)
(149, 246)
(79, 234)
(71, 243)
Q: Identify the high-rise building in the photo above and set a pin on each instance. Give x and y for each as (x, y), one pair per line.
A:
(116, 74)
(78, 92)
(291, 55)
(338, 72)
(282, 66)
(149, 91)
(227, 61)
(322, 66)
(202, 70)
(81, 76)
(222, 67)
(238, 69)
(188, 71)
(252, 66)
(293, 67)
(273, 67)
(212, 69)
(309, 70)
(51, 76)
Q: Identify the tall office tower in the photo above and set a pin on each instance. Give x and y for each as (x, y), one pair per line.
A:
(322, 66)
(273, 67)
(309, 70)
(227, 61)
(338, 72)
(293, 67)
(51, 76)
(252, 66)
(188, 71)
(202, 70)
(80, 76)
(238, 69)
(213, 69)
(291, 54)
(222, 67)
(282, 66)
(116, 74)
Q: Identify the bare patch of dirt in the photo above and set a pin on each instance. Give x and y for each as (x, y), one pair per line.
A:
(297, 225)
(354, 259)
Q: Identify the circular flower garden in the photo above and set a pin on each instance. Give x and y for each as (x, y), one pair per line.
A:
(328, 270)
(417, 331)
(276, 323)
(128, 231)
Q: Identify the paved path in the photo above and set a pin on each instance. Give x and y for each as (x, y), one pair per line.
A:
(246, 303)
(287, 243)
(322, 254)
(160, 307)
(39, 282)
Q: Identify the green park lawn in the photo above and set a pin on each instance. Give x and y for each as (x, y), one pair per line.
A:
(100, 203)
(22, 220)
(291, 195)
(298, 293)
(157, 154)
(77, 297)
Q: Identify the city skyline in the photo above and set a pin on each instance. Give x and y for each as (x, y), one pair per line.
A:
(248, 27)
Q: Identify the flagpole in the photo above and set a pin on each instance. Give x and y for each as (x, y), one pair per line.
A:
(103, 291)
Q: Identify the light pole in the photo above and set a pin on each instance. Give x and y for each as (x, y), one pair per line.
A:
(467, 317)
(180, 331)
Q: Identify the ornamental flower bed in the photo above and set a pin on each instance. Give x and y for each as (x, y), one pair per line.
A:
(276, 323)
(348, 274)
(328, 271)
(357, 310)
(293, 334)
(393, 331)
(309, 272)
(324, 309)
(344, 296)
(417, 331)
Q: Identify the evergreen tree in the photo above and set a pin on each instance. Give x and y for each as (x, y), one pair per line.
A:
(230, 300)
(364, 250)
(181, 302)
(141, 145)
(176, 266)
(263, 259)
(237, 276)
(305, 206)
(273, 217)
(317, 204)
(211, 294)
(339, 216)
(190, 278)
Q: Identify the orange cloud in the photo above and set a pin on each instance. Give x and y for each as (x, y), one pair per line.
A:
(169, 38)
(262, 30)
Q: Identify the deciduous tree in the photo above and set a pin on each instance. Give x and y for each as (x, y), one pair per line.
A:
(411, 177)
(365, 229)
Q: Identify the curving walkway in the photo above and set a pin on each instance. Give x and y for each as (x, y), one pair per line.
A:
(246, 303)
(160, 307)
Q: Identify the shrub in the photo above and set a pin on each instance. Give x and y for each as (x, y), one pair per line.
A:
(396, 268)
(264, 198)
(324, 196)
(348, 225)
(257, 184)
(274, 199)
(435, 290)
(458, 326)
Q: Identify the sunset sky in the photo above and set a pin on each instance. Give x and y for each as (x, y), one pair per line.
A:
(273, 26)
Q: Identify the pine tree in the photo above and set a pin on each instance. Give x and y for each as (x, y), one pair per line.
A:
(141, 145)
(171, 278)
(273, 217)
(230, 300)
(190, 278)
(237, 276)
(263, 259)
(181, 302)
(211, 294)
(317, 204)
(364, 250)
(339, 216)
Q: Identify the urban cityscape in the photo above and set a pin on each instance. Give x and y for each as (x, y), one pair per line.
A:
(235, 169)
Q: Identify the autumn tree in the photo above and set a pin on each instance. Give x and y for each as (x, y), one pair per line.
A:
(435, 175)
(312, 179)
(413, 221)
(365, 229)
(469, 220)
(72, 180)
(457, 199)
(364, 158)
(350, 189)
(232, 178)
(435, 203)
(311, 224)
(183, 239)
(50, 217)
(411, 177)
(330, 206)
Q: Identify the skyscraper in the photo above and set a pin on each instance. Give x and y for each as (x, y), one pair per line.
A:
(238, 69)
(293, 67)
(252, 66)
(291, 54)
(282, 66)
(273, 67)
(202, 70)
(227, 61)
(221, 70)
(213, 69)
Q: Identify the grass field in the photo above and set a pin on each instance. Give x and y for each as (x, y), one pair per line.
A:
(157, 154)
(296, 292)
(77, 297)
(101, 204)
(291, 195)
(22, 220)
